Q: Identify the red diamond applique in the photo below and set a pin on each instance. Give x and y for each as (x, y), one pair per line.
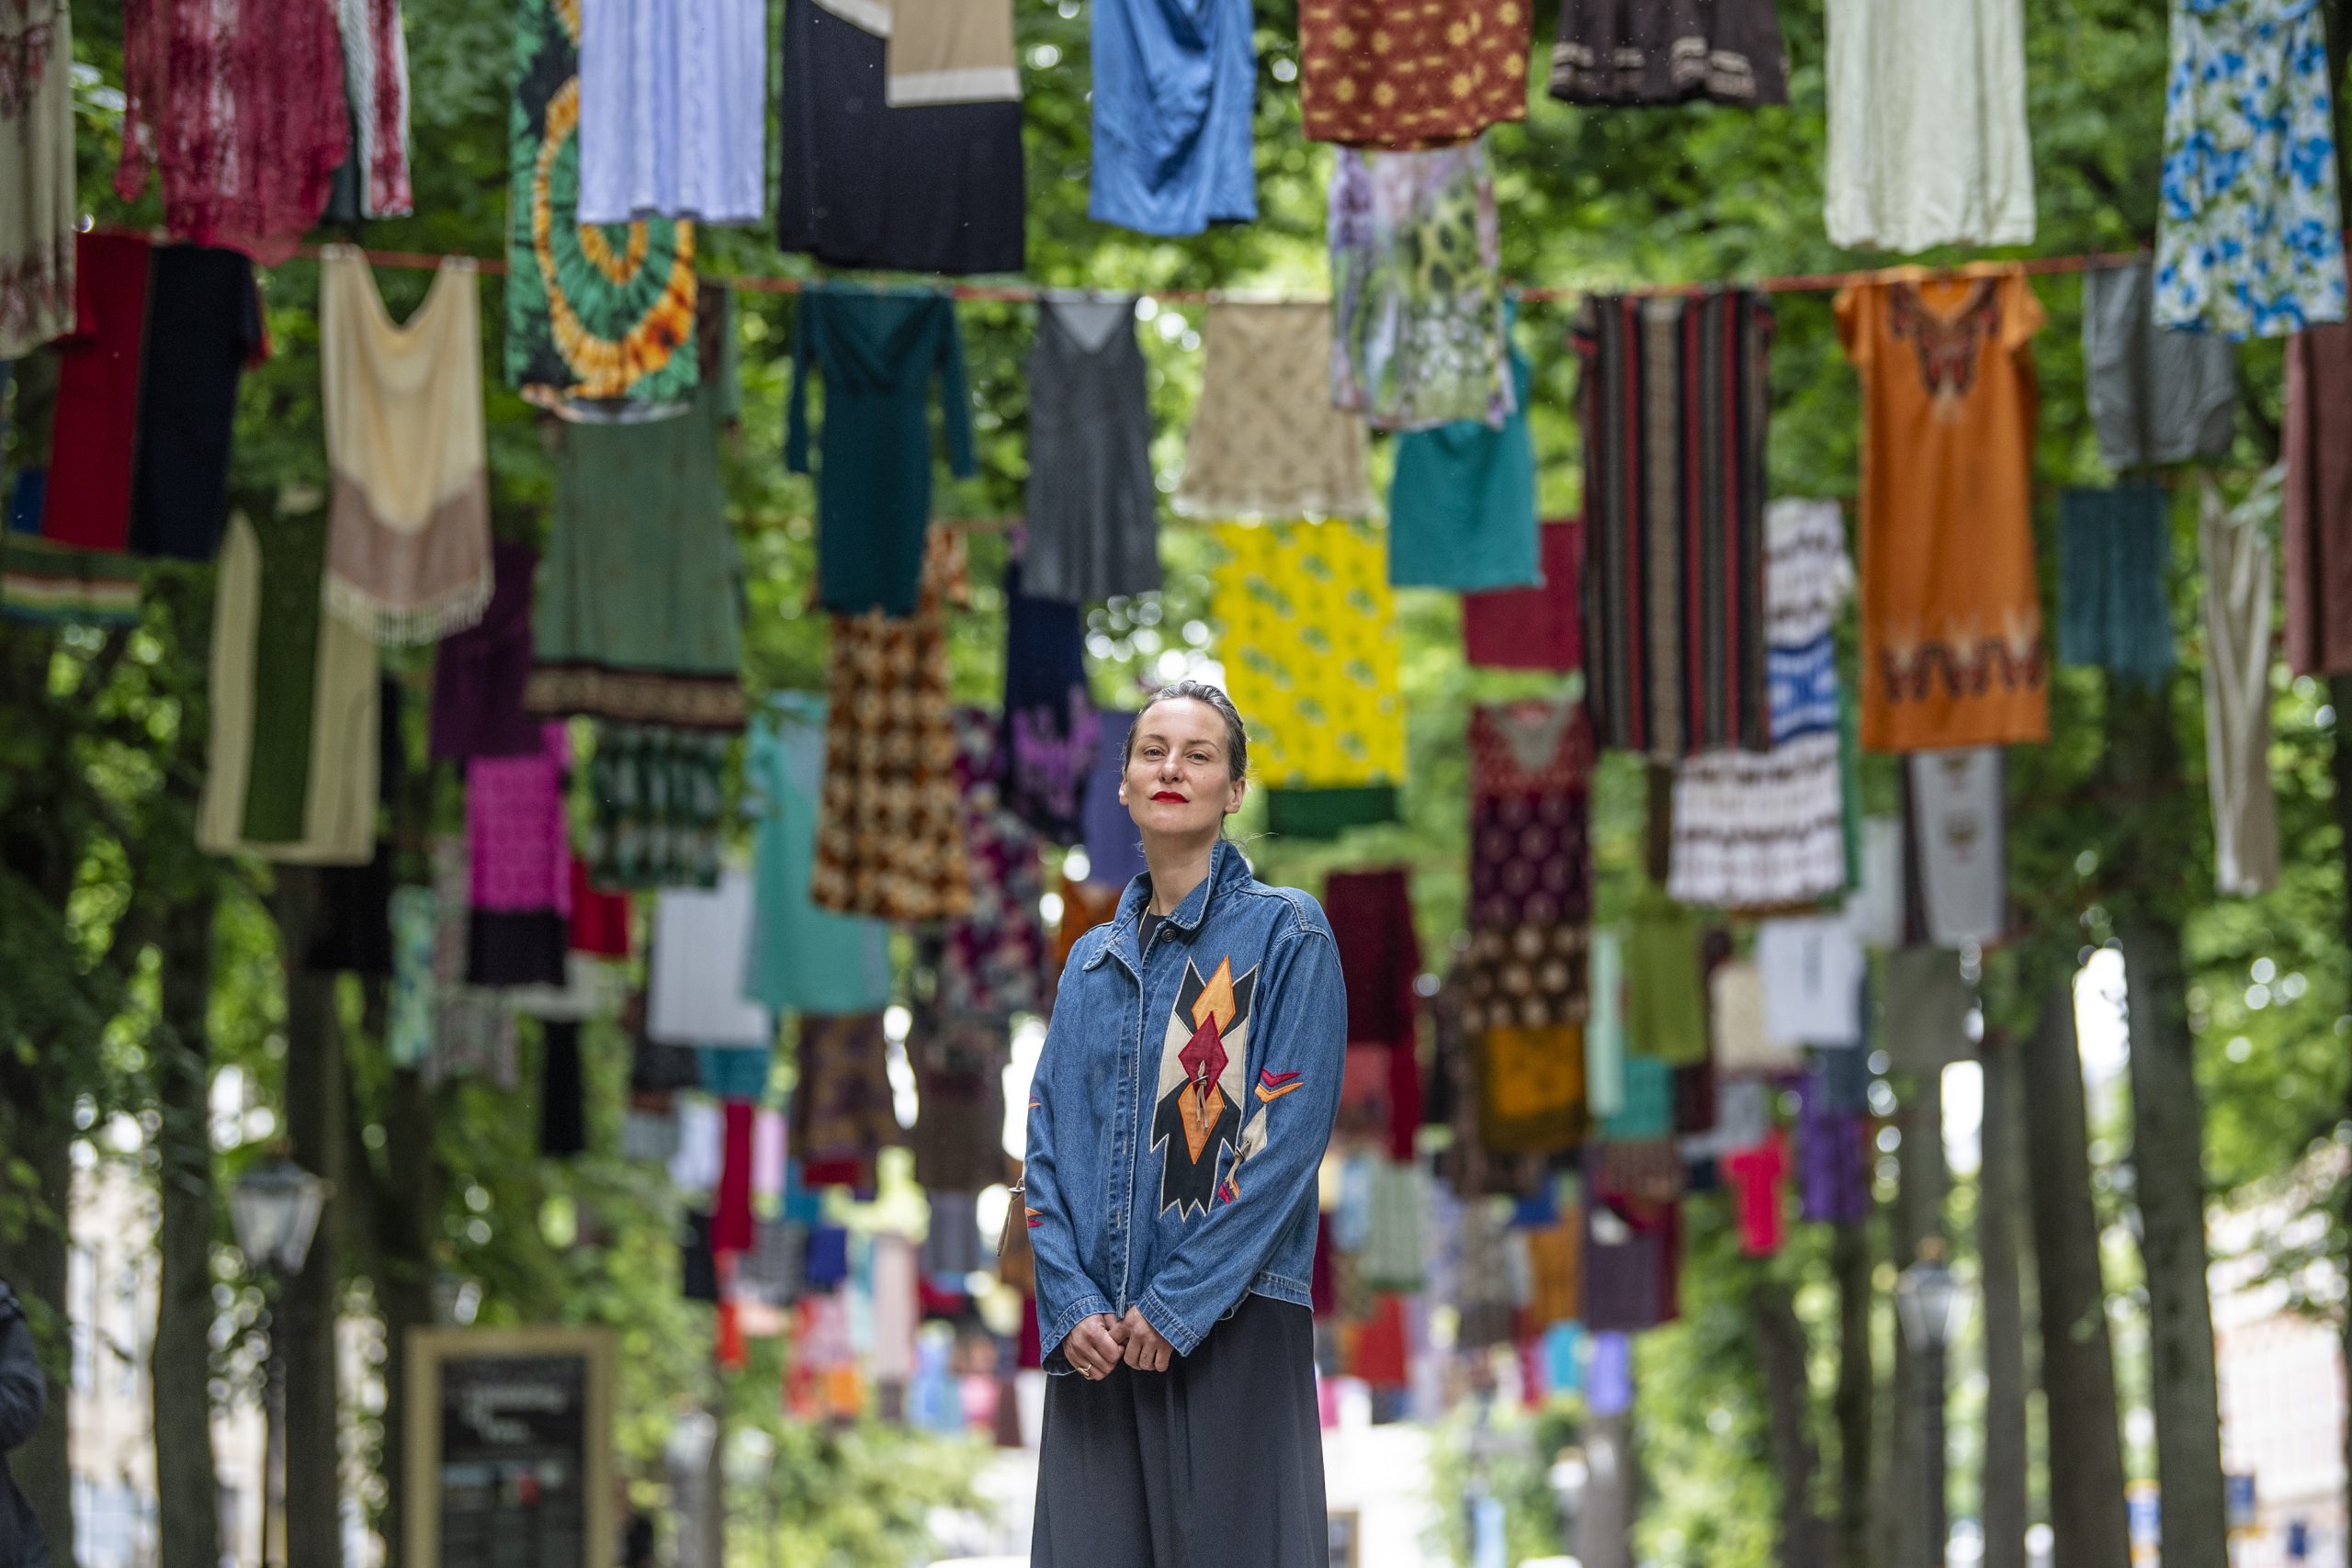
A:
(1202, 1056)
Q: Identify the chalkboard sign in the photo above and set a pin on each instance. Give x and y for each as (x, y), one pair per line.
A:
(509, 1447)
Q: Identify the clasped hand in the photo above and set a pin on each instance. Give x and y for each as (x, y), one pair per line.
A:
(1100, 1343)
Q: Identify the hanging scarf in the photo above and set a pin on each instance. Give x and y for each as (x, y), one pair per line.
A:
(408, 556)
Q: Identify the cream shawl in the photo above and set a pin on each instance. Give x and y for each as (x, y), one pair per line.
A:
(408, 550)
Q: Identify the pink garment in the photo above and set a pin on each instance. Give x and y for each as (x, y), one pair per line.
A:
(768, 1154)
(1759, 1174)
(518, 831)
(239, 106)
(732, 1226)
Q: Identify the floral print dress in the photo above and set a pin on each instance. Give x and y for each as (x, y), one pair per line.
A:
(2249, 241)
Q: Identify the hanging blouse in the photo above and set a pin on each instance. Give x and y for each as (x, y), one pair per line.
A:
(660, 797)
(600, 319)
(1531, 889)
(993, 959)
(890, 829)
(1399, 75)
(1958, 841)
(1528, 629)
(1418, 335)
(1928, 141)
(1952, 650)
(519, 934)
(39, 213)
(1462, 507)
(407, 551)
(2250, 231)
(292, 771)
(2234, 545)
(842, 1116)
(479, 673)
(1049, 725)
(374, 180)
(1673, 408)
(674, 111)
(2114, 608)
(1093, 509)
(1669, 51)
(223, 101)
(1175, 86)
(1265, 440)
(2156, 395)
(803, 959)
(878, 354)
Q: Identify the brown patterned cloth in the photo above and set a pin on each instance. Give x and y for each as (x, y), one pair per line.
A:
(842, 1113)
(1266, 441)
(1405, 73)
(1669, 51)
(890, 826)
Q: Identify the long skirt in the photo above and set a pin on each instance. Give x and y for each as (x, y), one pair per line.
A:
(1217, 1462)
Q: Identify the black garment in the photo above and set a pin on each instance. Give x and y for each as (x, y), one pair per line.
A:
(355, 930)
(563, 1113)
(203, 324)
(24, 1395)
(698, 1265)
(1145, 925)
(516, 947)
(1217, 1462)
(1669, 51)
(1094, 513)
(1049, 743)
(932, 188)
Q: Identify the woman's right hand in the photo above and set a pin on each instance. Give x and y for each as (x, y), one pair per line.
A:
(1094, 1347)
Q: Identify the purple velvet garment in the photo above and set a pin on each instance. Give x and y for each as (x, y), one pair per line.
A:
(992, 962)
(1833, 1155)
(1113, 844)
(1050, 727)
(479, 673)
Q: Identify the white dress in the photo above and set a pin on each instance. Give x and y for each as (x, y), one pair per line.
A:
(672, 110)
(1928, 142)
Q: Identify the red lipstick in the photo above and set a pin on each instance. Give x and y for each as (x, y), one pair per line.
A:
(1167, 794)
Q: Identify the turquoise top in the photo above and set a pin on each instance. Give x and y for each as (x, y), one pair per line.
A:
(1462, 505)
(803, 959)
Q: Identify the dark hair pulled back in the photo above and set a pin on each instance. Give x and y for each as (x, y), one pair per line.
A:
(1237, 735)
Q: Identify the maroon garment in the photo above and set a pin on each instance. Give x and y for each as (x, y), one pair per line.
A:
(1759, 1175)
(1633, 1267)
(2316, 523)
(599, 920)
(1532, 629)
(243, 115)
(731, 1226)
(94, 451)
(479, 673)
(1371, 920)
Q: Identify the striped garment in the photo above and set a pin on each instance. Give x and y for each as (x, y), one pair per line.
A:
(48, 583)
(1673, 408)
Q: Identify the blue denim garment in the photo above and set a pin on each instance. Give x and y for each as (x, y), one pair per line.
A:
(1181, 1109)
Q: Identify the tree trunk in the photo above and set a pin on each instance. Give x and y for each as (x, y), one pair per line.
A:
(2088, 1523)
(2168, 1178)
(2339, 693)
(39, 1130)
(1924, 1183)
(187, 1482)
(315, 1111)
(1856, 1389)
(1806, 1539)
(409, 1216)
(1605, 1526)
(1999, 1189)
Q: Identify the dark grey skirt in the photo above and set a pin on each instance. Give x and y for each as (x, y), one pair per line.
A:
(1217, 1462)
(1669, 51)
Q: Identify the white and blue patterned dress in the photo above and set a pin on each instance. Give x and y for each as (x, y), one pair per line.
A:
(2250, 243)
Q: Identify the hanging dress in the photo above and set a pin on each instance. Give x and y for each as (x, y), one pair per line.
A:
(1175, 88)
(1265, 440)
(37, 210)
(1530, 893)
(373, 182)
(1093, 510)
(674, 111)
(408, 550)
(2234, 546)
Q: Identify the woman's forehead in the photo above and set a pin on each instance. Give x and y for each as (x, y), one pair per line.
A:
(1182, 718)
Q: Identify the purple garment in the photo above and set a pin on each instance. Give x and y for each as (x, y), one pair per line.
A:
(1833, 1157)
(479, 673)
(992, 960)
(1633, 1267)
(1113, 843)
(1050, 727)
(1609, 1379)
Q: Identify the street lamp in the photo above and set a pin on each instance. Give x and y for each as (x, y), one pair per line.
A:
(274, 1209)
(1931, 1306)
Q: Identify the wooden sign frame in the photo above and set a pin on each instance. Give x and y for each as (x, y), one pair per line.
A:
(430, 1351)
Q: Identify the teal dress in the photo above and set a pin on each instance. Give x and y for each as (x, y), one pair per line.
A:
(803, 959)
(1462, 504)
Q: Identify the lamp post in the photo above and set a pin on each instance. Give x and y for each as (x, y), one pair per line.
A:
(274, 1209)
(1930, 1305)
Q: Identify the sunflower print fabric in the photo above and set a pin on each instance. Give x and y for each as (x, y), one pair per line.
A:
(1419, 336)
(600, 318)
(1309, 639)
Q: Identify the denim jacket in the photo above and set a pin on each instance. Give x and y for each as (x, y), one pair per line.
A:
(1181, 1109)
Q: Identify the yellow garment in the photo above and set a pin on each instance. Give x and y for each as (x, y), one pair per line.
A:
(339, 803)
(1553, 1257)
(1531, 1089)
(1309, 642)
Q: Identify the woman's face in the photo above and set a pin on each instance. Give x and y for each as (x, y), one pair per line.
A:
(1178, 779)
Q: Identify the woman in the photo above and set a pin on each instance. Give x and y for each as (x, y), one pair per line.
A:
(1178, 1118)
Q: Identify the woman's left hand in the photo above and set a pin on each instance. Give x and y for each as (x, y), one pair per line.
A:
(1147, 1351)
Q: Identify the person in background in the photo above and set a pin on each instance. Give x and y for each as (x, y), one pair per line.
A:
(1179, 1116)
(24, 1395)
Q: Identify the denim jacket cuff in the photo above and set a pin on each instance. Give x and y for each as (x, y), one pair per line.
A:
(1078, 1311)
(1172, 1328)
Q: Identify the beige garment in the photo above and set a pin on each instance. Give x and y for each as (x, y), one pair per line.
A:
(1744, 1044)
(408, 548)
(38, 211)
(2235, 545)
(1266, 441)
(339, 817)
(951, 52)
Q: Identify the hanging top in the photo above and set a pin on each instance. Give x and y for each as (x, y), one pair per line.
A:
(408, 556)
(1175, 82)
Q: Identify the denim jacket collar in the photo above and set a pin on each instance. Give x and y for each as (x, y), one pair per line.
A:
(1228, 868)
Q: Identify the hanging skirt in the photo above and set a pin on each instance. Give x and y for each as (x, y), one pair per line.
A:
(1217, 1462)
(1669, 51)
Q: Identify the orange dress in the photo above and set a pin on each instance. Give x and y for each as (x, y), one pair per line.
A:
(1952, 643)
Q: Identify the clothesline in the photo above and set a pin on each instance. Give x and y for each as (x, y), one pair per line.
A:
(1797, 282)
